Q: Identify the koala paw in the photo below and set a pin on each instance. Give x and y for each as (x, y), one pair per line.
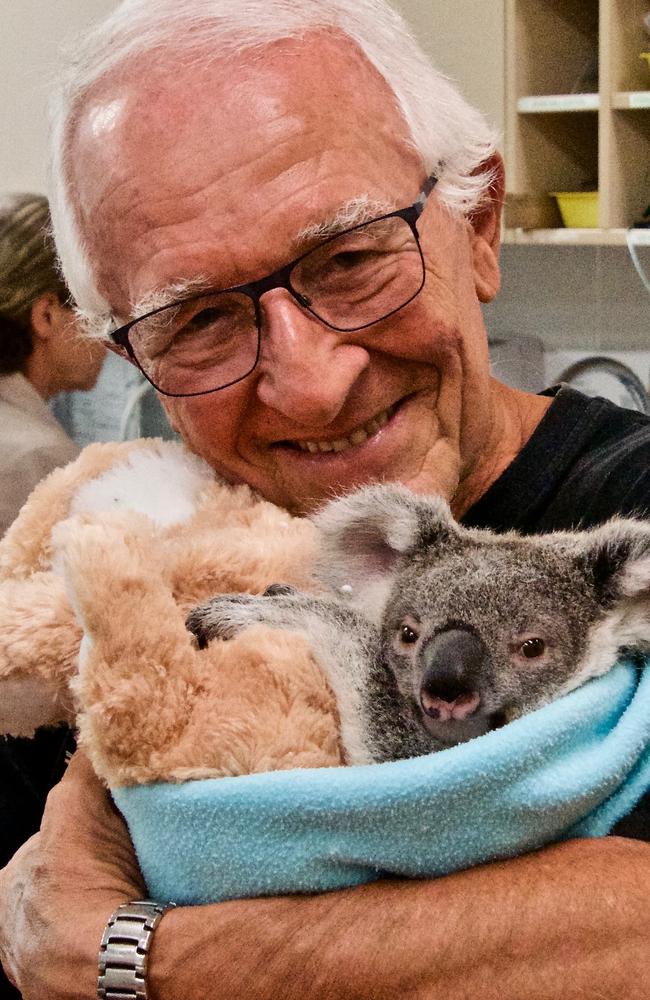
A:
(279, 590)
(224, 617)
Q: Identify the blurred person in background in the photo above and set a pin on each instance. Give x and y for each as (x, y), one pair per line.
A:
(42, 352)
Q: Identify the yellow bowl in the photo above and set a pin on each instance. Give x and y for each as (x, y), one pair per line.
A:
(579, 209)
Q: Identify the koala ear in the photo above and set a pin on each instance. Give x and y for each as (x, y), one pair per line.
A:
(618, 558)
(366, 536)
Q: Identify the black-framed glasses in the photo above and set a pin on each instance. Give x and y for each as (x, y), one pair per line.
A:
(211, 340)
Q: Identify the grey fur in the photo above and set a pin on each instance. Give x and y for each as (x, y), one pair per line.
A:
(474, 600)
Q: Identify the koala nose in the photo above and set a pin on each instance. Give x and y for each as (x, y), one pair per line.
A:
(452, 665)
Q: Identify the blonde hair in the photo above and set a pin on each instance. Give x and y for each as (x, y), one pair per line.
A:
(452, 138)
(28, 269)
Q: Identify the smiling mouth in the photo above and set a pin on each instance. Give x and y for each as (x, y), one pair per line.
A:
(357, 437)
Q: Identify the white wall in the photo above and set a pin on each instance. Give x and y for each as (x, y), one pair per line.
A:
(31, 32)
(463, 37)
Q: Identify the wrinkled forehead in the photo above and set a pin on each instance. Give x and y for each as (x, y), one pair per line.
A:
(167, 136)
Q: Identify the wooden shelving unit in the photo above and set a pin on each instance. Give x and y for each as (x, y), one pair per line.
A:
(561, 236)
(577, 113)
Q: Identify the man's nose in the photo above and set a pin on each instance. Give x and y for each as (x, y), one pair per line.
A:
(307, 370)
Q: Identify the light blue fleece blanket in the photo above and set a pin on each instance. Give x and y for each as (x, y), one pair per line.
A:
(573, 768)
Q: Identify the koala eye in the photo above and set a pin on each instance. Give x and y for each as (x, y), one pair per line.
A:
(532, 648)
(408, 635)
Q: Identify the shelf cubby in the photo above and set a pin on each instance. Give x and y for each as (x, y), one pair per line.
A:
(578, 110)
(556, 45)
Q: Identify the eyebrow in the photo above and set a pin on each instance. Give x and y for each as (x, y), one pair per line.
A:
(351, 213)
(170, 295)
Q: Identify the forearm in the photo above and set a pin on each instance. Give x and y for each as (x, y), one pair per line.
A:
(571, 922)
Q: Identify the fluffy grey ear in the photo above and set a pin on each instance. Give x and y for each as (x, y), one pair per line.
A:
(618, 558)
(367, 535)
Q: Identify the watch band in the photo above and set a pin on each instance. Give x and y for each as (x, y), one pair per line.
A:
(124, 950)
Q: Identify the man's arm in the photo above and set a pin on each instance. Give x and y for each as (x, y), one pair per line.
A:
(570, 921)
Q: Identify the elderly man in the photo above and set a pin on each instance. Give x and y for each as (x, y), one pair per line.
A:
(288, 222)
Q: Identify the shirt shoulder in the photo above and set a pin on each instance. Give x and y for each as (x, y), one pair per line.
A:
(587, 461)
(610, 474)
(612, 478)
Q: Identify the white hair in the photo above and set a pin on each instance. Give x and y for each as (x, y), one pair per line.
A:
(452, 138)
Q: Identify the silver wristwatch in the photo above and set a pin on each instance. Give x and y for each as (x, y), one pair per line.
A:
(124, 950)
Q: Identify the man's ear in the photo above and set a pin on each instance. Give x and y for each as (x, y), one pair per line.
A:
(368, 535)
(617, 558)
(486, 232)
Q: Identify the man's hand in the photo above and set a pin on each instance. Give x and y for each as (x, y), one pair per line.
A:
(59, 890)
(570, 921)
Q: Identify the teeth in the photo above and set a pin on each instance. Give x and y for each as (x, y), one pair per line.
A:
(357, 437)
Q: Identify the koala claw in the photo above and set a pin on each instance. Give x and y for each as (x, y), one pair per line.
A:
(279, 590)
(222, 618)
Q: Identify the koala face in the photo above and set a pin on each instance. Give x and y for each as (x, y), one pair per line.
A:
(478, 628)
(478, 636)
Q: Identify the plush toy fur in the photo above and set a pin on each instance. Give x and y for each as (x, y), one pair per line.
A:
(96, 577)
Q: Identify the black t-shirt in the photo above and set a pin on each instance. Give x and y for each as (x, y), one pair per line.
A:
(587, 460)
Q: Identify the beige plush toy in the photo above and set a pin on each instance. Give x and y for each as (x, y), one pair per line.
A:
(96, 577)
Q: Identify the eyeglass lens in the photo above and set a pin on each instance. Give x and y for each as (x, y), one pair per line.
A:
(348, 282)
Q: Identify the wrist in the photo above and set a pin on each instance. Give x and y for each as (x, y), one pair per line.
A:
(124, 950)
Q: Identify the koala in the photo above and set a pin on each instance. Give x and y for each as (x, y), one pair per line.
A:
(432, 634)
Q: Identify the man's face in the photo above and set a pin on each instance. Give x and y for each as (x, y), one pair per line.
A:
(211, 174)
